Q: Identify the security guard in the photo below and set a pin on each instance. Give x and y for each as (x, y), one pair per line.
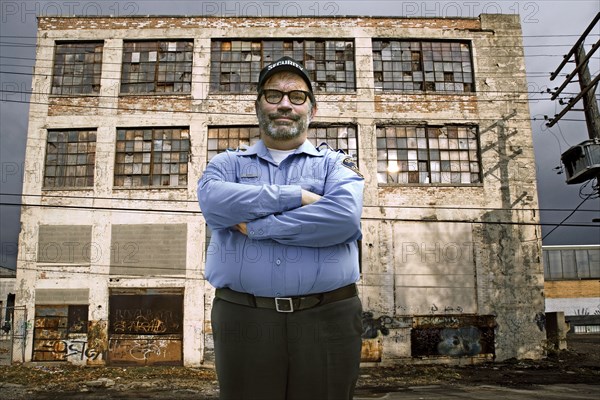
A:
(285, 218)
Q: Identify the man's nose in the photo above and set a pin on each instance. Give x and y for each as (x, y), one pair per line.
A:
(285, 103)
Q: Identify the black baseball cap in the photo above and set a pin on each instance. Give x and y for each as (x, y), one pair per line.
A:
(284, 64)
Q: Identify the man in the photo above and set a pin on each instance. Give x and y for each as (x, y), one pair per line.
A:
(285, 218)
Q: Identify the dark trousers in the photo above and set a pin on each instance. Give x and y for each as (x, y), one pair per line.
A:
(312, 354)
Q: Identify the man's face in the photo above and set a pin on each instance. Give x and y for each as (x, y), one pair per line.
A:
(284, 120)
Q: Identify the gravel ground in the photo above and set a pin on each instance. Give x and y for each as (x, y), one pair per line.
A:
(580, 364)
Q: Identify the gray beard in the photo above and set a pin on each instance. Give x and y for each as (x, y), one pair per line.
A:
(282, 132)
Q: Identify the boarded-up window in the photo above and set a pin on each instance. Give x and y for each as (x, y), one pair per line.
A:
(145, 327)
(55, 333)
(66, 244)
(70, 158)
(148, 249)
(77, 68)
(430, 66)
(236, 64)
(152, 157)
(428, 155)
(163, 66)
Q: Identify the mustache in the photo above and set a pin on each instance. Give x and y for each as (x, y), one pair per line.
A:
(289, 115)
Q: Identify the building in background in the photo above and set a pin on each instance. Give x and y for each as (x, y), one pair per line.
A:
(127, 111)
(572, 285)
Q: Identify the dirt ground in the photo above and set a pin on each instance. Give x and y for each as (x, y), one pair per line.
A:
(580, 363)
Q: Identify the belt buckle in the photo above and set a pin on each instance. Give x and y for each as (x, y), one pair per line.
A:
(287, 306)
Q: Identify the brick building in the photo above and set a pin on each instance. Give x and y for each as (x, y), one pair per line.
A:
(126, 113)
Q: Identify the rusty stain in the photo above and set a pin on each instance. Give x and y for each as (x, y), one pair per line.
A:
(371, 350)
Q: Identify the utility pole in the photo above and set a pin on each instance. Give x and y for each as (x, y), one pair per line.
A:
(582, 162)
(590, 105)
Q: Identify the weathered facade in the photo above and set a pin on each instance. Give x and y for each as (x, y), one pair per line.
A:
(126, 112)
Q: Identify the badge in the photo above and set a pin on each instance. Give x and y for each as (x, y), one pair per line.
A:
(348, 162)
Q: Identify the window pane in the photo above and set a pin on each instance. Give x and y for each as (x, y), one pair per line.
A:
(330, 63)
(70, 154)
(157, 66)
(442, 69)
(148, 157)
(77, 68)
(409, 149)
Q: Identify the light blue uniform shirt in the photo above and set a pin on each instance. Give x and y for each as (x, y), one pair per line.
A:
(290, 249)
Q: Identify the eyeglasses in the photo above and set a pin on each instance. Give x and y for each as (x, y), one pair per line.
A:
(296, 97)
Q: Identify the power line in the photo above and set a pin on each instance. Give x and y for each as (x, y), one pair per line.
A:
(428, 207)
(562, 223)
(170, 212)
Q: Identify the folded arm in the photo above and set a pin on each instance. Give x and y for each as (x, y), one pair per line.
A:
(333, 219)
(225, 203)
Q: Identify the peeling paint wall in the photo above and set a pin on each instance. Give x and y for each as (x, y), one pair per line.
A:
(444, 251)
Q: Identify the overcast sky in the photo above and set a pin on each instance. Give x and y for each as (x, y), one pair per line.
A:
(549, 28)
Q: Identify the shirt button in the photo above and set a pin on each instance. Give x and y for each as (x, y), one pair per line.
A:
(277, 294)
(278, 262)
(252, 233)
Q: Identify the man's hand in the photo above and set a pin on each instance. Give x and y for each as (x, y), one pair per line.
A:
(241, 228)
(309, 197)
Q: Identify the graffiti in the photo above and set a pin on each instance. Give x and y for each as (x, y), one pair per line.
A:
(148, 321)
(64, 349)
(145, 351)
(141, 349)
(371, 325)
(439, 321)
(140, 325)
(447, 309)
(460, 342)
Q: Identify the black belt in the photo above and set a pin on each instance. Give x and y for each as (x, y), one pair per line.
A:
(287, 304)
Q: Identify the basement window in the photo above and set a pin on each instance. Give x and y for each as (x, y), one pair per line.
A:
(426, 66)
(337, 136)
(236, 64)
(157, 66)
(152, 157)
(77, 68)
(428, 155)
(70, 158)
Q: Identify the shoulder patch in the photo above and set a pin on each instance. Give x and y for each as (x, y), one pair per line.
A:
(349, 163)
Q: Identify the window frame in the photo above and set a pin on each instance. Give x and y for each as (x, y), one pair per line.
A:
(265, 51)
(186, 65)
(95, 64)
(406, 67)
(428, 150)
(138, 146)
(71, 149)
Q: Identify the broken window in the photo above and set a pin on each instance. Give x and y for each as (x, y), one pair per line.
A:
(428, 155)
(236, 64)
(157, 66)
(230, 137)
(337, 136)
(77, 68)
(70, 158)
(152, 157)
(427, 66)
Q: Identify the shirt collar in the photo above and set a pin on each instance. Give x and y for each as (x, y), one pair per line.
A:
(261, 150)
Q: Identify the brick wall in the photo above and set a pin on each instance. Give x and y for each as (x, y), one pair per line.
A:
(572, 289)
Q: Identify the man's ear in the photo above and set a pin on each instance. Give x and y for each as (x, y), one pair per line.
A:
(313, 111)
